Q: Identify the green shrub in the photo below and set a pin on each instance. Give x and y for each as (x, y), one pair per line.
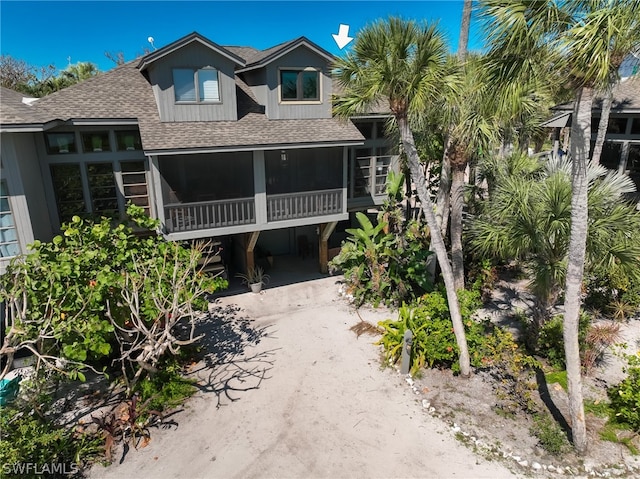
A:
(385, 261)
(551, 343)
(96, 280)
(434, 342)
(512, 368)
(29, 440)
(551, 437)
(167, 388)
(559, 377)
(625, 396)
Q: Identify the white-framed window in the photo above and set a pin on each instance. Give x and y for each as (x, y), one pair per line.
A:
(196, 85)
(299, 85)
(9, 245)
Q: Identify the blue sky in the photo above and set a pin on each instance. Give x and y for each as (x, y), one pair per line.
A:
(44, 33)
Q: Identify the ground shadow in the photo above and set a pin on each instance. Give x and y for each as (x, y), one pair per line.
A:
(545, 396)
(234, 358)
(77, 401)
(505, 305)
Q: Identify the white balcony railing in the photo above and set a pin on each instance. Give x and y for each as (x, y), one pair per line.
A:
(209, 214)
(304, 204)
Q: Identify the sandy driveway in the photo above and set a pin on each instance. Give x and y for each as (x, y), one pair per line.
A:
(295, 394)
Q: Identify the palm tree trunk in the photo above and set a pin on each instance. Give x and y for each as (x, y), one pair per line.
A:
(603, 124)
(580, 136)
(444, 189)
(463, 40)
(443, 201)
(457, 207)
(438, 243)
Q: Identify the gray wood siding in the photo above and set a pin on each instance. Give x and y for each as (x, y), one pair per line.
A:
(257, 81)
(33, 184)
(195, 56)
(301, 57)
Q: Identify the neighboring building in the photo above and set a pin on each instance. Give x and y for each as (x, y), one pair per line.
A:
(621, 150)
(215, 142)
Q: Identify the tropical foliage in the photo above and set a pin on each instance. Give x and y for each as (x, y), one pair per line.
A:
(385, 262)
(433, 342)
(528, 215)
(404, 64)
(102, 291)
(35, 81)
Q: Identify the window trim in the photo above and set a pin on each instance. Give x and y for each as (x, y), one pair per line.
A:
(11, 211)
(298, 100)
(196, 86)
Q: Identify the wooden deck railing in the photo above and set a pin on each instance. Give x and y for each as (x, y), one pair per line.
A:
(304, 204)
(209, 214)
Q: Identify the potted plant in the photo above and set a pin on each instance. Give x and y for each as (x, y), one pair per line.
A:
(96, 142)
(254, 278)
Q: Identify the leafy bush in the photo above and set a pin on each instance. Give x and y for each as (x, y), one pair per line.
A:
(551, 342)
(167, 388)
(614, 292)
(551, 437)
(511, 366)
(434, 343)
(625, 396)
(29, 439)
(387, 262)
(102, 290)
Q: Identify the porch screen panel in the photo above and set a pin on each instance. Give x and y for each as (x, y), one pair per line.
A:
(207, 177)
(611, 154)
(102, 187)
(67, 187)
(134, 181)
(8, 235)
(633, 164)
(362, 171)
(303, 170)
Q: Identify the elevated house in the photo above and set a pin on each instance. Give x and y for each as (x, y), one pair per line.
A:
(621, 150)
(230, 143)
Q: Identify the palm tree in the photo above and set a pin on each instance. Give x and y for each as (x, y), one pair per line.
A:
(570, 31)
(80, 71)
(473, 125)
(403, 63)
(528, 217)
(444, 188)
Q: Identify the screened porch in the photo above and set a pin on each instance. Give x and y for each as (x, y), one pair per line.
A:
(240, 189)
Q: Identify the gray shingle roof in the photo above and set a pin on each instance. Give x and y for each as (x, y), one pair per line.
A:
(121, 93)
(253, 130)
(14, 112)
(626, 98)
(246, 53)
(264, 57)
(181, 42)
(124, 93)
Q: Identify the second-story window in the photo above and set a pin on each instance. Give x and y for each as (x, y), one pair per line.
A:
(299, 85)
(191, 85)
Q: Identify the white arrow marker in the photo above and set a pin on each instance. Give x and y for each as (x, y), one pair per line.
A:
(342, 38)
